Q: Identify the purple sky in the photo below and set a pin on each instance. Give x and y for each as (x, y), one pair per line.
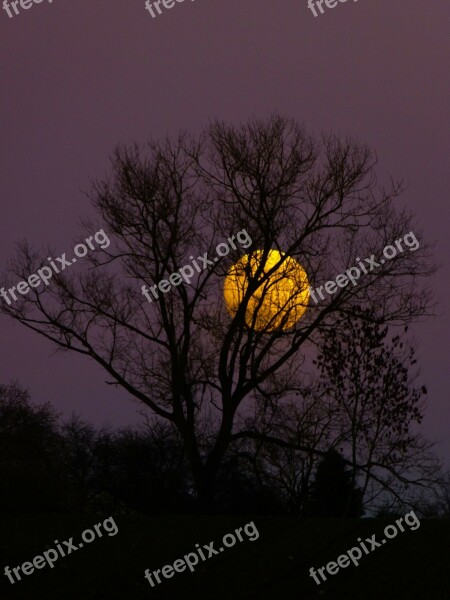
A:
(79, 77)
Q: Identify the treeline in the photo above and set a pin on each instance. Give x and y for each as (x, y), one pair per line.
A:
(49, 465)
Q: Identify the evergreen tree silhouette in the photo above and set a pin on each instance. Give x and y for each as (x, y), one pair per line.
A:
(333, 494)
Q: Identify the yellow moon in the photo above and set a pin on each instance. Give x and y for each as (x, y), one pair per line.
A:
(279, 302)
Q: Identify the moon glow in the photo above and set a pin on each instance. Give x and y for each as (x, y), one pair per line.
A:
(279, 302)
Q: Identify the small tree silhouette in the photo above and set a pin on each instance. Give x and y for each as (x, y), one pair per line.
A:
(333, 493)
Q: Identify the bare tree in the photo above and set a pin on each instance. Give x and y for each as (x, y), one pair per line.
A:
(365, 403)
(182, 355)
(369, 376)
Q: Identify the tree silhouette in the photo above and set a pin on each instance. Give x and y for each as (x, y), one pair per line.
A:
(31, 469)
(215, 378)
(333, 492)
(368, 380)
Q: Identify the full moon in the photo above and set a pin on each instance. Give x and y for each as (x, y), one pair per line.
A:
(279, 302)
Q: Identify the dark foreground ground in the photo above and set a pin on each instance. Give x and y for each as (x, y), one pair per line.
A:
(414, 565)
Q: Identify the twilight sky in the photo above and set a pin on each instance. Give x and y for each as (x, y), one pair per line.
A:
(80, 77)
